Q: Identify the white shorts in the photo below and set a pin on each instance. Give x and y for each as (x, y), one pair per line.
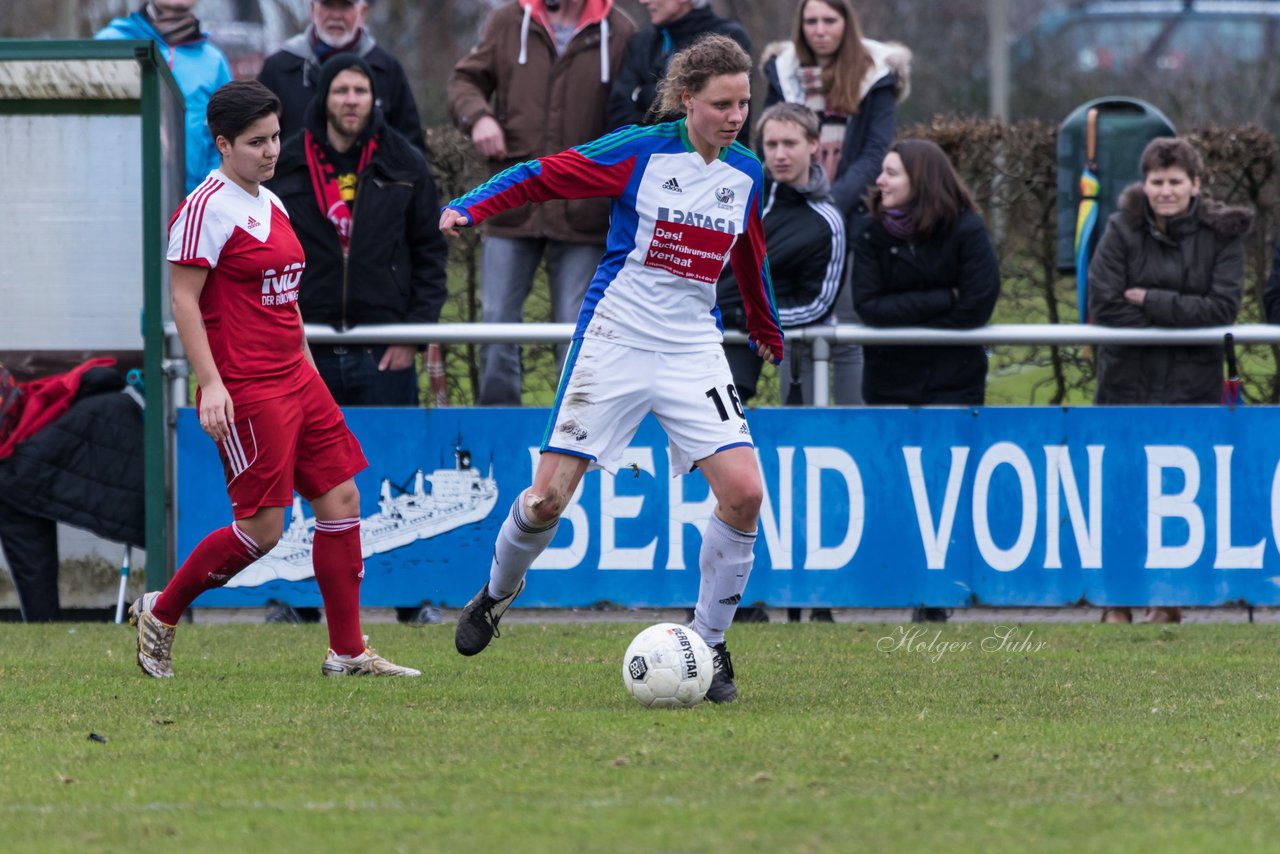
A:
(607, 389)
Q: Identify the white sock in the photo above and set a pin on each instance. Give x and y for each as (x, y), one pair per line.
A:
(725, 561)
(519, 543)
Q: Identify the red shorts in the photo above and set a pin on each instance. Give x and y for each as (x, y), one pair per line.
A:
(297, 441)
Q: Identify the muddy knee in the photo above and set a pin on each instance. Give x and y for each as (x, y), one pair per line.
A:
(544, 509)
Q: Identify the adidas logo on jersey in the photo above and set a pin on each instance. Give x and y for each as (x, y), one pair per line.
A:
(253, 223)
(672, 186)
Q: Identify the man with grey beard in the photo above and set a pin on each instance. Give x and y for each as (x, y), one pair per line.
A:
(338, 26)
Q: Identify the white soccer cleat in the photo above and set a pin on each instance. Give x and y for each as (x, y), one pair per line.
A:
(155, 639)
(367, 663)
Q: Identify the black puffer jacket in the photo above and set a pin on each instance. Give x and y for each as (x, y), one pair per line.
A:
(896, 283)
(645, 63)
(395, 268)
(1194, 276)
(84, 469)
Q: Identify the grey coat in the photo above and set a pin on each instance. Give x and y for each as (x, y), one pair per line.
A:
(1194, 276)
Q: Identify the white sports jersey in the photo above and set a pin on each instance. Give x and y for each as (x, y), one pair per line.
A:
(676, 220)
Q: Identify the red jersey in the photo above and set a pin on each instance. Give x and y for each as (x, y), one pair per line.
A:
(250, 299)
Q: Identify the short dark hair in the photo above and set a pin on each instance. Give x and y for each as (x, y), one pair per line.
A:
(237, 105)
(797, 114)
(1167, 152)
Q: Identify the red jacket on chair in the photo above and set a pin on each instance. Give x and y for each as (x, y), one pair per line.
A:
(40, 402)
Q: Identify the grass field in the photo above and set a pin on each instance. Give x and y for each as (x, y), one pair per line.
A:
(1071, 737)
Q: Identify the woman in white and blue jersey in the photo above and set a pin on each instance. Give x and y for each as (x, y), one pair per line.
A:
(686, 200)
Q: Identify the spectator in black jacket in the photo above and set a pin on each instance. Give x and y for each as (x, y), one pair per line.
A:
(1169, 258)
(86, 470)
(363, 204)
(338, 26)
(676, 24)
(923, 258)
(805, 237)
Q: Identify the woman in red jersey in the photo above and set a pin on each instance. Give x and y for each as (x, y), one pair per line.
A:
(235, 265)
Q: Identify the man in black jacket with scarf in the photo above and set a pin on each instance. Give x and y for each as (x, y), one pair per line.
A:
(364, 206)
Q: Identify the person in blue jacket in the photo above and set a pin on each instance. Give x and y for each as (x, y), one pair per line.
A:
(197, 65)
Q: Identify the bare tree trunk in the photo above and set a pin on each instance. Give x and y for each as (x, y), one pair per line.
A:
(69, 18)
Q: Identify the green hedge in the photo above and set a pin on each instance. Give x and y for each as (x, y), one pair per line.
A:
(1012, 168)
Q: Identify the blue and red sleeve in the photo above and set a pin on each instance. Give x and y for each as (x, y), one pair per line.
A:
(570, 174)
(750, 267)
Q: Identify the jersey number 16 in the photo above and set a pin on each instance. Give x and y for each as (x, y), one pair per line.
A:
(714, 395)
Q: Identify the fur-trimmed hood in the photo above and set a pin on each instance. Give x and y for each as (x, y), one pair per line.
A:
(1227, 221)
(886, 57)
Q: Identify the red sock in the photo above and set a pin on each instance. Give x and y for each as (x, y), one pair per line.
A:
(335, 554)
(211, 564)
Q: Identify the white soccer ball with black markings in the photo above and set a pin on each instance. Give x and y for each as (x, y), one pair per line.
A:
(668, 666)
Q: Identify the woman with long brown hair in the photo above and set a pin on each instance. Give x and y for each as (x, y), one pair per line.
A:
(923, 258)
(854, 84)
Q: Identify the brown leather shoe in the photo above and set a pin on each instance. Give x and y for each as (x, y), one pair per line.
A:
(1117, 615)
(1164, 614)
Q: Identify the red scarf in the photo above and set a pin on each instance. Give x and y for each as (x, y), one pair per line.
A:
(324, 179)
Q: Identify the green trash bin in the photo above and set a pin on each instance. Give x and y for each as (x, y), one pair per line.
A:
(1124, 126)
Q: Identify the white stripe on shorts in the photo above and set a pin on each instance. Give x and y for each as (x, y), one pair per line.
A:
(236, 457)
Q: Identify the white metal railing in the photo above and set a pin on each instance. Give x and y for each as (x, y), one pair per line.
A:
(849, 333)
(821, 336)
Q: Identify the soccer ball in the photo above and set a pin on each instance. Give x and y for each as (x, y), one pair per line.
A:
(668, 666)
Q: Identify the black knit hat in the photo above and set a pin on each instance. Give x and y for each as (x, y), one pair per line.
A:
(341, 62)
(316, 116)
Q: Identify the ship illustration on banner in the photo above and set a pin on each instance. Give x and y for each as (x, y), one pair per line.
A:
(458, 496)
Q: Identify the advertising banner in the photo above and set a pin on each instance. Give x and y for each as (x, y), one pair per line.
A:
(862, 508)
